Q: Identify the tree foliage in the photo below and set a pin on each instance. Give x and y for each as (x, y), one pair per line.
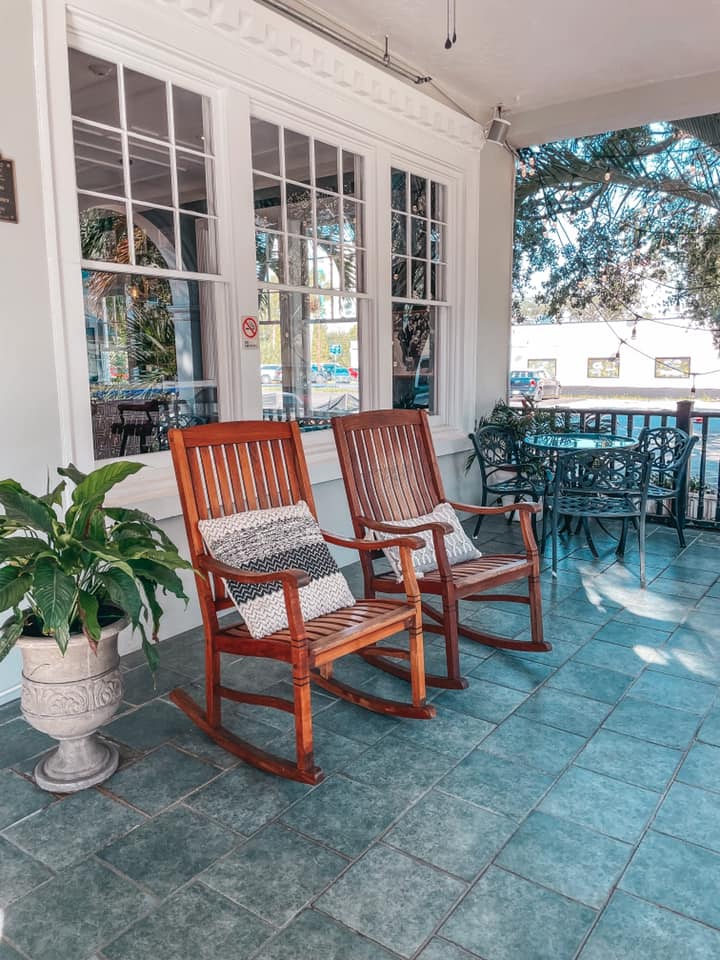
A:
(624, 224)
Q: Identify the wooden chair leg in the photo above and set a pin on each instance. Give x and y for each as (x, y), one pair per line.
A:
(213, 700)
(417, 663)
(303, 708)
(537, 635)
(452, 651)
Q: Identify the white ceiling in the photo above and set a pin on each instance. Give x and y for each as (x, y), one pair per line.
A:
(533, 54)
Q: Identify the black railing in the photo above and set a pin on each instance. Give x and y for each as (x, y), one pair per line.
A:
(702, 506)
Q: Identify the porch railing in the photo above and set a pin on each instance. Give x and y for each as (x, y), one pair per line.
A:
(702, 507)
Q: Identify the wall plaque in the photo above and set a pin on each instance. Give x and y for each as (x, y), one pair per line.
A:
(8, 206)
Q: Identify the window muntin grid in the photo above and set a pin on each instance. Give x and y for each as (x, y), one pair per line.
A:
(418, 237)
(143, 153)
(309, 211)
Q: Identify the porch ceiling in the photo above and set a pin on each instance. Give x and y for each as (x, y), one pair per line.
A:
(533, 56)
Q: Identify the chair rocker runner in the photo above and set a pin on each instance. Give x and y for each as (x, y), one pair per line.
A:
(391, 474)
(228, 468)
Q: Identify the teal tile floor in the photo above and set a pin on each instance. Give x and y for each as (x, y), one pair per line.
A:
(564, 807)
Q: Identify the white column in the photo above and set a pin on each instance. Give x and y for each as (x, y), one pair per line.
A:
(495, 225)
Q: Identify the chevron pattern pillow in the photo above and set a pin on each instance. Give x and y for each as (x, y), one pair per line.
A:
(458, 545)
(276, 539)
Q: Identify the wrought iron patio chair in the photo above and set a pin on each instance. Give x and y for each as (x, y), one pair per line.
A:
(226, 468)
(601, 485)
(503, 473)
(669, 450)
(391, 473)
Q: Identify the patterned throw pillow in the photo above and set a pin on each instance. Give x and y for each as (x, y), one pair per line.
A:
(276, 539)
(458, 545)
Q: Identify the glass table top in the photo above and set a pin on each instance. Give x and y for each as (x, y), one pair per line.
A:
(578, 441)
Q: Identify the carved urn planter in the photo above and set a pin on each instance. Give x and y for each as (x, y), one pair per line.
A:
(69, 697)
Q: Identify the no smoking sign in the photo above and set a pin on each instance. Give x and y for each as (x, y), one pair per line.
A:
(250, 332)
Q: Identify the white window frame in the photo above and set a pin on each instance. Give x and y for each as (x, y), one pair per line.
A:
(234, 97)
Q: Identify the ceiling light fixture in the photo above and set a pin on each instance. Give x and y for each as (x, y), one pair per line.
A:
(498, 129)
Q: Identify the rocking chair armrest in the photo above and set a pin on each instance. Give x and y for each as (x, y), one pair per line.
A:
(292, 578)
(433, 526)
(490, 511)
(414, 543)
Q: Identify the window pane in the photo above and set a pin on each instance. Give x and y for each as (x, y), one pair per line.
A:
(94, 88)
(150, 172)
(103, 231)
(197, 244)
(194, 182)
(354, 269)
(327, 266)
(399, 233)
(297, 157)
(437, 201)
(400, 277)
(327, 213)
(352, 222)
(98, 160)
(146, 105)
(301, 262)
(414, 357)
(299, 209)
(418, 195)
(268, 202)
(326, 166)
(189, 112)
(154, 237)
(352, 175)
(419, 237)
(418, 280)
(398, 187)
(437, 241)
(309, 357)
(269, 257)
(152, 353)
(265, 146)
(437, 281)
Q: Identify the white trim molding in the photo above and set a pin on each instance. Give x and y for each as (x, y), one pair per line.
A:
(257, 29)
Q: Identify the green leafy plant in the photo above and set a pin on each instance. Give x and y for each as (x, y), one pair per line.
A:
(77, 571)
(524, 421)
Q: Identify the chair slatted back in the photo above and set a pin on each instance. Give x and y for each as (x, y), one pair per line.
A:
(388, 464)
(225, 468)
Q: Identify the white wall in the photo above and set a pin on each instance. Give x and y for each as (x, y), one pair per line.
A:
(30, 432)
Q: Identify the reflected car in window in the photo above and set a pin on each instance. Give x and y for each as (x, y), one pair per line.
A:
(270, 373)
(335, 372)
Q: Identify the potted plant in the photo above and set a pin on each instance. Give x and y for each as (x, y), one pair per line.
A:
(73, 579)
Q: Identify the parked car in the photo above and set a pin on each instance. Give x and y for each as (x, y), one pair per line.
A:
(317, 374)
(270, 373)
(335, 372)
(534, 384)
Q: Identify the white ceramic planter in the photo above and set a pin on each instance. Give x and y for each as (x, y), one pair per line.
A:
(69, 697)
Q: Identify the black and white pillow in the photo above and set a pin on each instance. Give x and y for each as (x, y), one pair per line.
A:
(276, 539)
(458, 545)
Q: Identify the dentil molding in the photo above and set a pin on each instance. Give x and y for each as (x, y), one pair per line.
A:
(284, 40)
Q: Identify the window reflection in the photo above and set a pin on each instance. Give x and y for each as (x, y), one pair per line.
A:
(414, 357)
(151, 353)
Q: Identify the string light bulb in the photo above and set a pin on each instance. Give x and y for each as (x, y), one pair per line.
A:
(633, 335)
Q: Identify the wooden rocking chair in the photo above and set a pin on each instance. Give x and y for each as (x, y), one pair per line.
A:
(391, 473)
(226, 468)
